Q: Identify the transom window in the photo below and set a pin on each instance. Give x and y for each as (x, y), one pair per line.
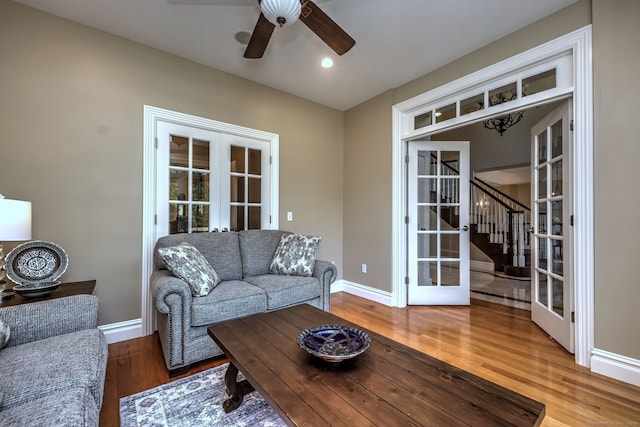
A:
(511, 92)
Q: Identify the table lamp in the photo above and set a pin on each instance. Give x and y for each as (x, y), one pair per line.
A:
(15, 225)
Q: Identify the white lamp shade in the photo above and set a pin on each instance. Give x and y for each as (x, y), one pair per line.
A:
(289, 10)
(15, 220)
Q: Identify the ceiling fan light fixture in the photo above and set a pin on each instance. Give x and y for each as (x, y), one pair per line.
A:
(281, 12)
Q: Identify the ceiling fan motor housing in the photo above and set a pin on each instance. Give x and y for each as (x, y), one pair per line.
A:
(281, 12)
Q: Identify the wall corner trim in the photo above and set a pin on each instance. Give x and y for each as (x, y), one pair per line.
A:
(616, 366)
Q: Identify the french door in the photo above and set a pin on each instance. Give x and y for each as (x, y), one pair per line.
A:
(210, 181)
(551, 278)
(438, 223)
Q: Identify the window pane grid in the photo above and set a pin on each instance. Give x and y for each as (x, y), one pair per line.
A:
(246, 188)
(189, 185)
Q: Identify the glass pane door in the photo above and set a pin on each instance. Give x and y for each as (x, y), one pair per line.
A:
(211, 181)
(246, 188)
(188, 179)
(438, 223)
(551, 275)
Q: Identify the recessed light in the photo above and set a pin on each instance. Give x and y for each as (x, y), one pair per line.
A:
(327, 62)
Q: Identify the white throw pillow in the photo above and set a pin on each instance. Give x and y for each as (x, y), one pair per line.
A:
(295, 255)
(186, 262)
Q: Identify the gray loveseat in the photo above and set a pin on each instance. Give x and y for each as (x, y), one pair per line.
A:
(52, 369)
(242, 260)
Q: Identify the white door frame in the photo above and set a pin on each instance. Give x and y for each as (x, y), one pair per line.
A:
(151, 116)
(578, 45)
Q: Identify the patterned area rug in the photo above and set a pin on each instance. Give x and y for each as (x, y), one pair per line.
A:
(195, 401)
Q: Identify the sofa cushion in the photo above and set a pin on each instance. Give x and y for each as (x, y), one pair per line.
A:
(186, 262)
(221, 250)
(39, 368)
(283, 291)
(257, 248)
(229, 300)
(69, 408)
(5, 333)
(295, 255)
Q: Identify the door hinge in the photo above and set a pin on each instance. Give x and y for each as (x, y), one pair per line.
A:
(406, 158)
(156, 139)
(269, 219)
(571, 126)
(406, 280)
(155, 219)
(573, 317)
(572, 220)
(270, 160)
(406, 219)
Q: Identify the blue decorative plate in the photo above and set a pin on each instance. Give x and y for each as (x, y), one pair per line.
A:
(334, 343)
(36, 262)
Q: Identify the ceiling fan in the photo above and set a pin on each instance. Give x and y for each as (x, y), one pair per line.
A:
(286, 12)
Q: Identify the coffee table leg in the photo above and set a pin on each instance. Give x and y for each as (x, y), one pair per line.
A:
(236, 390)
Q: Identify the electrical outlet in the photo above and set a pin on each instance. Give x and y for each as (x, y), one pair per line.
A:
(364, 268)
(289, 216)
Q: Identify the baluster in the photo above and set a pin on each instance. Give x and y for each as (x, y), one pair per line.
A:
(523, 232)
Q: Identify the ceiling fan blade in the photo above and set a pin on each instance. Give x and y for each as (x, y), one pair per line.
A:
(259, 39)
(325, 28)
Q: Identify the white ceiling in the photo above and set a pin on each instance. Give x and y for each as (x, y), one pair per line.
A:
(508, 176)
(396, 40)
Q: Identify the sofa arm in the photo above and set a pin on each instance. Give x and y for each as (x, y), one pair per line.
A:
(326, 273)
(43, 319)
(170, 293)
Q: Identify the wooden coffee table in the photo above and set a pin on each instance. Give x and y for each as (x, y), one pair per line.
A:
(390, 384)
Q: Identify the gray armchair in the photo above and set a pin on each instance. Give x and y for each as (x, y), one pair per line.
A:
(52, 370)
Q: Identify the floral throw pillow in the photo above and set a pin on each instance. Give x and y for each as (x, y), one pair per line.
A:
(186, 262)
(295, 255)
(4, 334)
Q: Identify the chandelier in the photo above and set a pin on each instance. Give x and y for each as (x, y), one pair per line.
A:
(502, 123)
(281, 12)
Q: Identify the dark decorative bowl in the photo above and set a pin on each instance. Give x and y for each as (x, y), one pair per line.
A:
(36, 290)
(334, 343)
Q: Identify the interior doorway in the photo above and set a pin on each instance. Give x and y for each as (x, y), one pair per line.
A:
(569, 59)
(502, 162)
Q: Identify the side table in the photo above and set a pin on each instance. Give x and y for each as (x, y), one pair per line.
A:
(64, 290)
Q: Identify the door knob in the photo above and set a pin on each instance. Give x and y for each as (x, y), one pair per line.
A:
(530, 229)
(465, 228)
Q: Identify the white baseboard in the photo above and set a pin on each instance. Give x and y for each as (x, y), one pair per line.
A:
(616, 366)
(362, 291)
(122, 331)
(485, 267)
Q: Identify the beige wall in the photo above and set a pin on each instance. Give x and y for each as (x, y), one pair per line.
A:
(71, 118)
(616, 175)
(367, 193)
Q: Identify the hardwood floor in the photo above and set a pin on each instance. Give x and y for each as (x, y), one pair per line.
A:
(496, 342)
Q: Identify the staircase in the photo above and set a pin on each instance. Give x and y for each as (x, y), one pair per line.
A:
(498, 223)
(499, 227)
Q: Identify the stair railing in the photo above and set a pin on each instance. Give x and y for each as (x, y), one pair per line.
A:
(495, 213)
(503, 225)
(521, 224)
